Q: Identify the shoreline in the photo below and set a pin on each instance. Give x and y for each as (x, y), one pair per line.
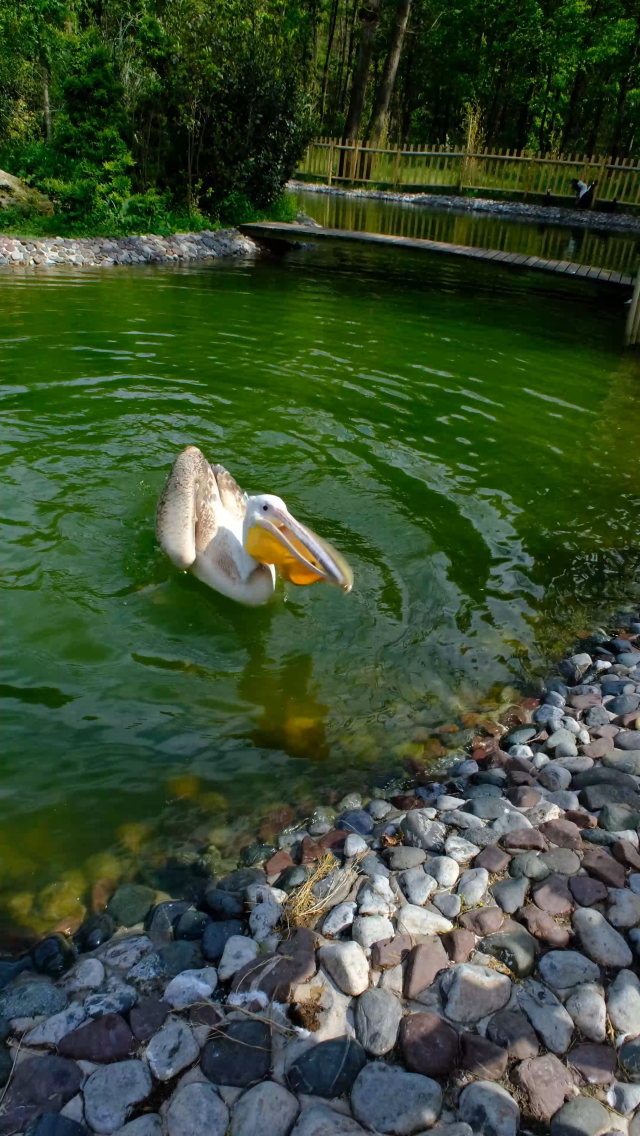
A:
(458, 955)
(537, 214)
(105, 252)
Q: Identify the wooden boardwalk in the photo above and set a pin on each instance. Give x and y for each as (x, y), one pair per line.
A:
(269, 231)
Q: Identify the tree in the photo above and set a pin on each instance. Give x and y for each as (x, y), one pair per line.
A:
(388, 80)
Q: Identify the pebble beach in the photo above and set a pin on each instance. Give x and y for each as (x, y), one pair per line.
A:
(103, 252)
(457, 954)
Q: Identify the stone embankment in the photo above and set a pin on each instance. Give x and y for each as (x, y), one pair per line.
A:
(540, 214)
(458, 957)
(102, 252)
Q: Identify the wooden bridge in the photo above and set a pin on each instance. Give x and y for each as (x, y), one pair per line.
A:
(277, 233)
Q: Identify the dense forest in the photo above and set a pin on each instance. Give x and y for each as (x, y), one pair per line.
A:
(128, 107)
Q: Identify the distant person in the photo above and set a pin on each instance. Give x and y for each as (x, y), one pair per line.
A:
(583, 192)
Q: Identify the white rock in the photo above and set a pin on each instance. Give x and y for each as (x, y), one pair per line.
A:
(387, 1099)
(238, 951)
(368, 929)
(444, 870)
(473, 992)
(339, 918)
(599, 940)
(53, 1029)
(172, 1049)
(393, 979)
(547, 1015)
(460, 850)
(417, 885)
(520, 751)
(420, 831)
(266, 913)
(371, 900)
(191, 986)
(267, 1109)
(539, 760)
(446, 803)
(197, 1110)
(623, 1003)
(414, 920)
(489, 1109)
(347, 964)
(472, 885)
(87, 975)
(509, 822)
(624, 911)
(588, 1009)
(543, 811)
(354, 845)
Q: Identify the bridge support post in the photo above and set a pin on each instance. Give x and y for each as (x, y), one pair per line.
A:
(633, 319)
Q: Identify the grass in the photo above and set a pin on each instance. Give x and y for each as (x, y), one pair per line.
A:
(16, 223)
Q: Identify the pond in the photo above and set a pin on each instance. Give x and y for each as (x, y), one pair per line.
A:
(467, 439)
(618, 251)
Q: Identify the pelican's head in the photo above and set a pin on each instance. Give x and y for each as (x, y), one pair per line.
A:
(273, 536)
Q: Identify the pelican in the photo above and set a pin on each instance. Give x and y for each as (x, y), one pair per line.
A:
(233, 542)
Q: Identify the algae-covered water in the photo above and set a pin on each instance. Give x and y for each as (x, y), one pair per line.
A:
(468, 440)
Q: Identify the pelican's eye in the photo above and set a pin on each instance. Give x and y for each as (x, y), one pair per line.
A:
(265, 508)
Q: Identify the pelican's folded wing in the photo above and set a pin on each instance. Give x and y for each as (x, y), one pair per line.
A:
(186, 514)
(231, 495)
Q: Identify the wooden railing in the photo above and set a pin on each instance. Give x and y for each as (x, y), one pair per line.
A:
(506, 171)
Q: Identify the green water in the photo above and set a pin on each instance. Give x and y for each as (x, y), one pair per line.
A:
(466, 439)
(616, 250)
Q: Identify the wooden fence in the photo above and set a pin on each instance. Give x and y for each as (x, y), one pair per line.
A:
(506, 171)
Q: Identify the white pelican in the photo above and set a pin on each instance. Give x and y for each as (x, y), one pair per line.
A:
(233, 542)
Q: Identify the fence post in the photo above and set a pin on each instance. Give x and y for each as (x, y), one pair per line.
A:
(633, 319)
(330, 166)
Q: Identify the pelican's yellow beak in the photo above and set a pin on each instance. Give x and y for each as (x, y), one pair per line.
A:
(299, 554)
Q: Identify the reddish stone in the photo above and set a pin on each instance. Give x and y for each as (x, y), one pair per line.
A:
(101, 893)
(448, 729)
(106, 1039)
(423, 963)
(581, 818)
(496, 760)
(518, 778)
(429, 1045)
(459, 944)
(482, 1057)
(147, 1017)
(278, 863)
(493, 859)
(602, 866)
(274, 821)
(278, 974)
(542, 926)
(312, 850)
(553, 896)
(546, 1084)
(629, 721)
(525, 840)
(484, 745)
(333, 839)
(524, 797)
(387, 953)
(562, 832)
(598, 748)
(586, 891)
(609, 731)
(584, 701)
(519, 765)
(206, 1014)
(593, 1064)
(483, 921)
(406, 802)
(625, 853)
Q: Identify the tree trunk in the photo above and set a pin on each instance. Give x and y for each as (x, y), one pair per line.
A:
(46, 103)
(388, 80)
(369, 17)
(325, 70)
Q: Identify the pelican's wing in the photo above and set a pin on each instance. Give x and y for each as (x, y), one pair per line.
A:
(186, 518)
(231, 495)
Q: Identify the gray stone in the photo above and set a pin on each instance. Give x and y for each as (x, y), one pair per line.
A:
(582, 1116)
(55, 1028)
(130, 903)
(629, 1057)
(529, 864)
(32, 999)
(472, 885)
(327, 1069)
(414, 920)
(191, 986)
(624, 911)
(599, 940)
(389, 1100)
(370, 929)
(149, 1124)
(510, 894)
(489, 1109)
(320, 1120)
(623, 1097)
(460, 850)
(517, 949)
(474, 992)
(240, 1055)
(172, 1049)
(115, 997)
(562, 970)
(588, 1009)
(347, 964)
(195, 1110)
(403, 857)
(377, 1019)
(547, 1015)
(509, 822)
(125, 953)
(552, 776)
(419, 831)
(448, 905)
(39, 1085)
(511, 1030)
(238, 951)
(417, 885)
(111, 1092)
(87, 975)
(267, 1108)
(623, 1003)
